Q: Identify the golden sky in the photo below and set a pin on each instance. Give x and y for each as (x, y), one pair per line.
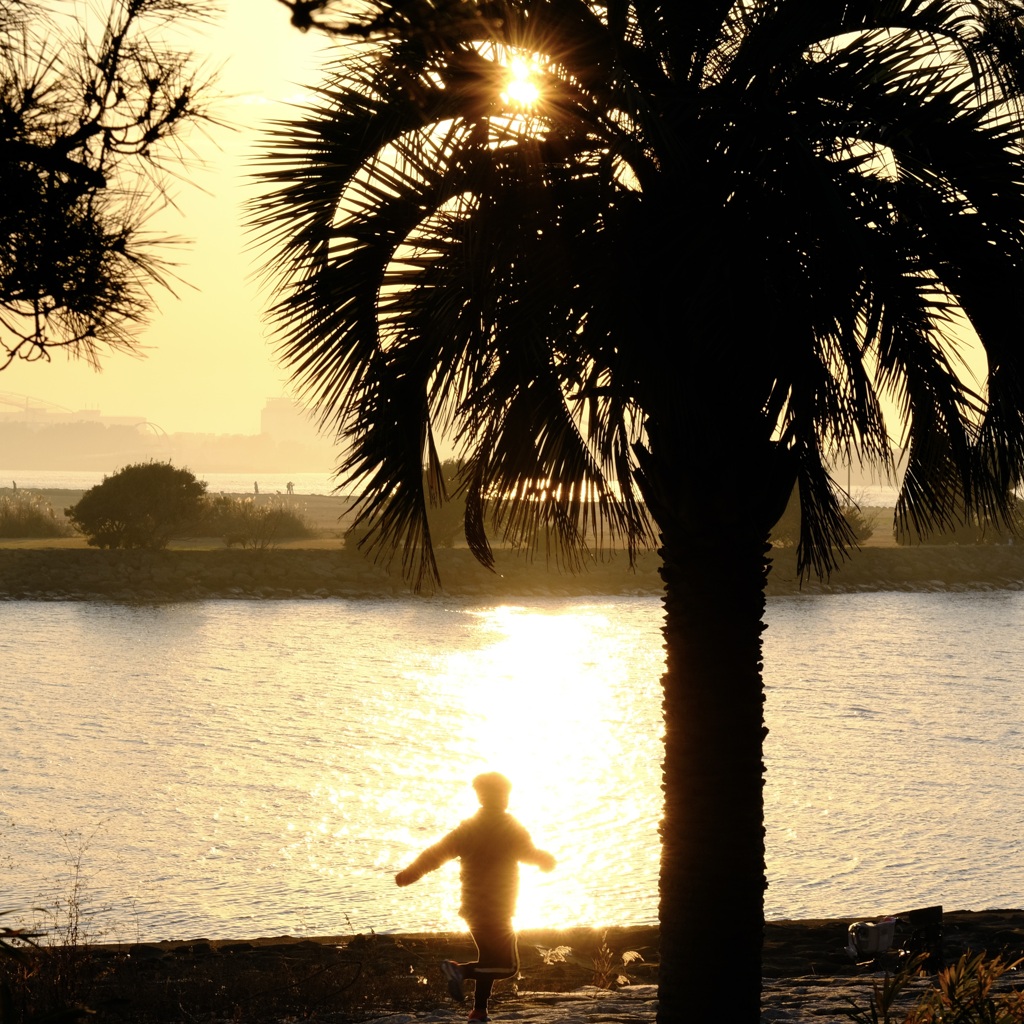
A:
(208, 362)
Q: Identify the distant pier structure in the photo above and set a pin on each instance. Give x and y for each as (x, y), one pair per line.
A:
(16, 408)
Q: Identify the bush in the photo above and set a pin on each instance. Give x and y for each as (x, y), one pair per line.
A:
(29, 515)
(974, 529)
(140, 506)
(241, 521)
(446, 519)
(786, 532)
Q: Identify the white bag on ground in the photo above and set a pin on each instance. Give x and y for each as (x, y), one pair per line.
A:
(866, 939)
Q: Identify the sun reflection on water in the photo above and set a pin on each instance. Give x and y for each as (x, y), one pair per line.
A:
(546, 708)
(541, 697)
(265, 768)
(274, 779)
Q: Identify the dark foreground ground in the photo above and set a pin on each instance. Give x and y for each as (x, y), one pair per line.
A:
(347, 979)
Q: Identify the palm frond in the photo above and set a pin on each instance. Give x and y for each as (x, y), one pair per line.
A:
(556, 292)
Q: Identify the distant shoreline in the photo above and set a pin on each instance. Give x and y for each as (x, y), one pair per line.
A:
(323, 567)
(327, 569)
(328, 512)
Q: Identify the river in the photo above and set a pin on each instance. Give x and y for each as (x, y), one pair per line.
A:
(231, 769)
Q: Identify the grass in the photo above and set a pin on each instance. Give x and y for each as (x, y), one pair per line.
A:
(29, 515)
(977, 989)
(250, 525)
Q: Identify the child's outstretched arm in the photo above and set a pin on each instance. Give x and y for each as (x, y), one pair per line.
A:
(544, 860)
(431, 858)
(406, 876)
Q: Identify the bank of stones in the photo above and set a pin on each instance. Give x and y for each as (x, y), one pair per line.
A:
(316, 573)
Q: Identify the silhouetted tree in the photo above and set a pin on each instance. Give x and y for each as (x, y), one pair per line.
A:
(91, 113)
(140, 506)
(689, 277)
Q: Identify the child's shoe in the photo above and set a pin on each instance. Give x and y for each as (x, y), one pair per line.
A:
(451, 970)
(475, 1014)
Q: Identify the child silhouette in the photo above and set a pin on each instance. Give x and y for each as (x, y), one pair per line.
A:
(490, 846)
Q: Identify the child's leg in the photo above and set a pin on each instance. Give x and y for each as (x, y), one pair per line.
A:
(497, 958)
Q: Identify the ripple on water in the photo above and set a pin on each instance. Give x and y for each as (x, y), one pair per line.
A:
(234, 768)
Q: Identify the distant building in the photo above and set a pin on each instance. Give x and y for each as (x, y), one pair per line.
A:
(35, 434)
(285, 420)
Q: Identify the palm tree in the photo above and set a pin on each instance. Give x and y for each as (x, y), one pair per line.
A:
(728, 245)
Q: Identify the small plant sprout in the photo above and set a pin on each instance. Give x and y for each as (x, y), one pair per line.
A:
(557, 955)
(608, 971)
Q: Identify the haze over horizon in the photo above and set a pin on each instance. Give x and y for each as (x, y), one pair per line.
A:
(209, 365)
(206, 362)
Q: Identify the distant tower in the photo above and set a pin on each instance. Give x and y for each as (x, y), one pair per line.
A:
(285, 420)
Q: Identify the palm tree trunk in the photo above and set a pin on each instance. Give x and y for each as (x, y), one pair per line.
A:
(713, 514)
(712, 863)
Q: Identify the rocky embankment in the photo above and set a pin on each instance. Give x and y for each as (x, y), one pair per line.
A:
(175, 575)
(928, 567)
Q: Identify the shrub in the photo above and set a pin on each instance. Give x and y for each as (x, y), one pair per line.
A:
(140, 506)
(863, 526)
(786, 532)
(241, 521)
(446, 518)
(29, 515)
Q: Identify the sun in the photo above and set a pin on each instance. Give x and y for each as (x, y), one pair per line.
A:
(521, 88)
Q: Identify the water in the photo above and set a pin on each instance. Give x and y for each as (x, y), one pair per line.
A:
(867, 495)
(236, 769)
(896, 757)
(228, 483)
